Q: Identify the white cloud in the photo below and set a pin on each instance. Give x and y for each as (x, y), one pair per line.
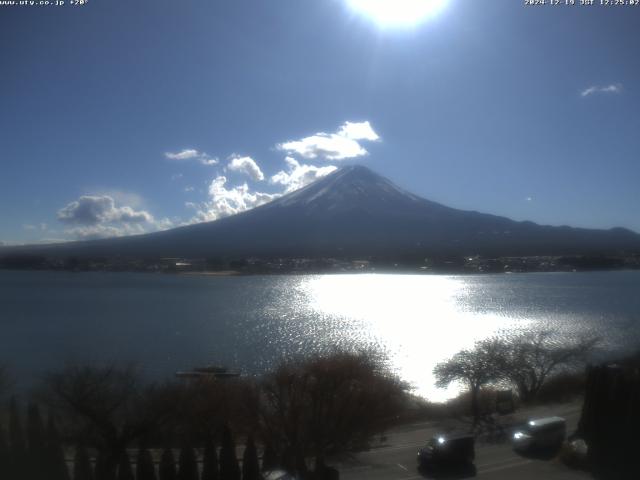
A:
(611, 89)
(246, 165)
(594, 89)
(186, 154)
(298, 175)
(333, 146)
(224, 201)
(93, 210)
(191, 154)
(166, 223)
(358, 131)
(98, 216)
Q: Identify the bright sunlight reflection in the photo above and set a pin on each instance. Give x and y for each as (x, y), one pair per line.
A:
(397, 13)
(419, 320)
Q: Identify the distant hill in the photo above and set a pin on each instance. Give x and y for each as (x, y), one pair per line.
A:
(353, 212)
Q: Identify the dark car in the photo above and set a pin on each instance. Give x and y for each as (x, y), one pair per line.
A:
(444, 452)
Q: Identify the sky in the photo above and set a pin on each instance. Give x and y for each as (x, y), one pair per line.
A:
(121, 117)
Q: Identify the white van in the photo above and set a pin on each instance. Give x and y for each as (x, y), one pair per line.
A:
(541, 433)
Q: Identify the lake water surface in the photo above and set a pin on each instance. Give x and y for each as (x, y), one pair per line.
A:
(167, 323)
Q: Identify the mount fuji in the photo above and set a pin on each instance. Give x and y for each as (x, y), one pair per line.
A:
(354, 212)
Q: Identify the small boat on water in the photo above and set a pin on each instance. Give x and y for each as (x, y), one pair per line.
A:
(210, 372)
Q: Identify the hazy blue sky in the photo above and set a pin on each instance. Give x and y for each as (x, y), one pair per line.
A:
(126, 116)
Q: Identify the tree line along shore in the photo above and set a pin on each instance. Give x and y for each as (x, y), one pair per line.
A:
(107, 423)
(288, 265)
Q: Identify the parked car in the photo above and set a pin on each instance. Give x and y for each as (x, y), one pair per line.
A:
(540, 434)
(448, 452)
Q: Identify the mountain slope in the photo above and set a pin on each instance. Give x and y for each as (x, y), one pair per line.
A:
(354, 211)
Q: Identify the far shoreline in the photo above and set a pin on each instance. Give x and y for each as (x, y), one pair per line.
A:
(236, 273)
(211, 273)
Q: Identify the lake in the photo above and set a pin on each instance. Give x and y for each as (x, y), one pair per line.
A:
(167, 323)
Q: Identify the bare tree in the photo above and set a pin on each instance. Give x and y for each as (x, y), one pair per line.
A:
(476, 368)
(530, 359)
(527, 361)
(328, 404)
(106, 407)
(204, 406)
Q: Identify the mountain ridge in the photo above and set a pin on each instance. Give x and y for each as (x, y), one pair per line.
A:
(353, 212)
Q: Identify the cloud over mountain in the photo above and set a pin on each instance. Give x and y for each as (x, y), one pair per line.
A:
(341, 145)
(224, 201)
(246, 165)
(113, 213)
(358, 131)
(299, 175)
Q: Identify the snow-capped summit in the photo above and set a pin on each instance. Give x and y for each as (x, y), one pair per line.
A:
(351, 187)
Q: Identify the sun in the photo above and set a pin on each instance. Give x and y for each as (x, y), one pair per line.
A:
(397, 13)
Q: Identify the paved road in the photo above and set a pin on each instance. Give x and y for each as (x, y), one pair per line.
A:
(396, 459)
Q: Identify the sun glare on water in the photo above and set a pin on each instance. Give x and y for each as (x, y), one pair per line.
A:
(418, 319)
(397, 13)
